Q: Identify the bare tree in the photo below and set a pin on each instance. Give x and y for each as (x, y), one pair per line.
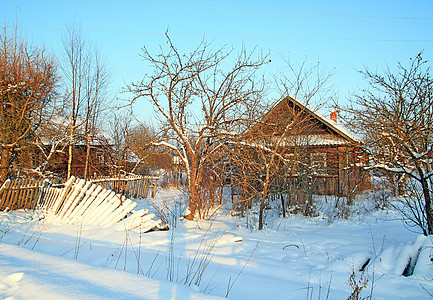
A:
(120, 125)
(200, 102)
(51, 143)
(277, 141)
(139, 140)
(273, 153)
(28, 78)
(86, 79)
(96, 102)
(395, 116)
(131, 145)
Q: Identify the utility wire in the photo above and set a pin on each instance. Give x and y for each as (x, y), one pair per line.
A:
(27, 13)
(240, 35)
(249, 10)
(227, 35)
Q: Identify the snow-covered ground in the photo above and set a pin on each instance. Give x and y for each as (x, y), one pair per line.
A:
(292, 258)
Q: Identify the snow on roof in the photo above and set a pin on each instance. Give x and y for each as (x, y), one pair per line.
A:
(315, 140)
(61, 124)
(321, 140)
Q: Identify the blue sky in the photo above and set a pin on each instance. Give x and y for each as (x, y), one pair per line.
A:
(345, 36)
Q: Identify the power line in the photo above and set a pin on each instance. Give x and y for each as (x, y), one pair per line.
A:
(250, 10)
(17, 6)
(241, 35)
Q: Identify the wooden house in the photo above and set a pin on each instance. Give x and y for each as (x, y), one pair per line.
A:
(319, 149)
(56, 137)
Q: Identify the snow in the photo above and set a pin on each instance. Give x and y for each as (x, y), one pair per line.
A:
(292, 258)
(63, 122)
(28, 274)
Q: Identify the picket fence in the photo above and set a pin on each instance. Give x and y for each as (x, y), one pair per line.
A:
(77, 202)
(84, 202)
(32, 193)
(21, 193)
(132, 186)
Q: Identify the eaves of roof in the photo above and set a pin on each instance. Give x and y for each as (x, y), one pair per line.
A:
(329, 123)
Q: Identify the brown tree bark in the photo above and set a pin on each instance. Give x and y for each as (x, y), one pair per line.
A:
(428, 208)
(200, 102)
(4, 164)
(27, 82)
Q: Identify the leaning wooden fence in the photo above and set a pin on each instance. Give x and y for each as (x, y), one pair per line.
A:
(131, 186)
(32, 193)
(77, 202)
(83, 202)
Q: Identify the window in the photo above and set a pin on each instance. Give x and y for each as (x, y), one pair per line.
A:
(318, 162)
(100, 158)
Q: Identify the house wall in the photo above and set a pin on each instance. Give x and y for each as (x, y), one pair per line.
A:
(343, 176)
(98, 162)
(345, 171)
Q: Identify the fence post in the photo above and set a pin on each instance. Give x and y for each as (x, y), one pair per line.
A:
(155, 185)
(3, 193)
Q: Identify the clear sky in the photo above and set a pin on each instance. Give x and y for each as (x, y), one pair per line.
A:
(345, 36)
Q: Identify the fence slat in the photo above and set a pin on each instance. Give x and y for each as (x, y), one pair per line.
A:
(29, 193)
(133, 186)
(86, 203)
(3, 194)
(11, 204)
(20, 193)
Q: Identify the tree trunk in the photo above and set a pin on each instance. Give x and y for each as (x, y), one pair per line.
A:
(86, 167)
(4, 164)
(69, 161)
(193, 190)
(262, 203)
(71, 138)
(283, 205)
(192, 206)
(428, 208)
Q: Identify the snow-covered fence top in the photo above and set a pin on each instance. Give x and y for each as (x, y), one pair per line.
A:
(83, 202)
